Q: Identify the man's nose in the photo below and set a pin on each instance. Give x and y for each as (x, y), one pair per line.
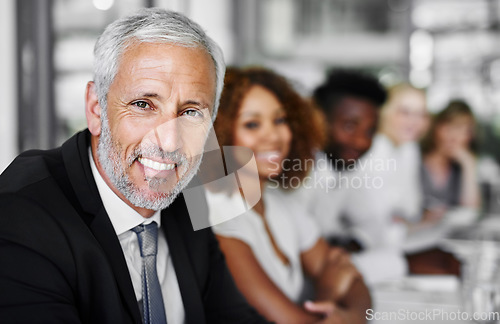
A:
(167, 135)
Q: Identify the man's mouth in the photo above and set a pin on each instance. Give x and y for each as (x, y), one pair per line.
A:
(155, 165)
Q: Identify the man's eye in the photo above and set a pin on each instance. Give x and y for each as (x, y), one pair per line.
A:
(193, 113)
(142, 104)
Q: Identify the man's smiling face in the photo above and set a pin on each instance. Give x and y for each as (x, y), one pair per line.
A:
(152, 134)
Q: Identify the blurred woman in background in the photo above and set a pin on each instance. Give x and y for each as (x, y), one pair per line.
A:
(270, 247)
(449, 177)
(403, 122)
(448, 180)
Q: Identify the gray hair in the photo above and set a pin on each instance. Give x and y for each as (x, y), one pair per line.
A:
(150, 25)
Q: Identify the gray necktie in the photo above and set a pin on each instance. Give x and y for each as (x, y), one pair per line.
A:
(152, 299)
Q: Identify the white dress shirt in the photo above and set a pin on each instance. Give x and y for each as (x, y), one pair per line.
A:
(124, 218)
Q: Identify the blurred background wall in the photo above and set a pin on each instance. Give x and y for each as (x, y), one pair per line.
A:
(8, 89)
(449, 47)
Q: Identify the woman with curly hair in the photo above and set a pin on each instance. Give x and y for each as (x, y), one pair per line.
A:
(271, 246)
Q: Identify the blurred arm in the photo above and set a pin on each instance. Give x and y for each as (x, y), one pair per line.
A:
(337, 280)
(469, 187)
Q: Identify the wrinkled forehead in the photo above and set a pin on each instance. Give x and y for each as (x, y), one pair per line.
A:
(157, 46)
(146, 64)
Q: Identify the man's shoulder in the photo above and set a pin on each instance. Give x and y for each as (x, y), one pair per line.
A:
(35, 184)
(30, 168)
(35, 166)
(39, 182)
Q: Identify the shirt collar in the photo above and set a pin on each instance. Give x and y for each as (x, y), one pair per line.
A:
(122, 216)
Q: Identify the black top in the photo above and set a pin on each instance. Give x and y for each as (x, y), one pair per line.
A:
(61, 261)
(446, 196)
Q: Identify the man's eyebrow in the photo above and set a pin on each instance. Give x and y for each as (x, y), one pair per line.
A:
(151, 95)
(187, 102)
(197, 103)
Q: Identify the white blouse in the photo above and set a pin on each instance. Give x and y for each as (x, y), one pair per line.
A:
(291, 228)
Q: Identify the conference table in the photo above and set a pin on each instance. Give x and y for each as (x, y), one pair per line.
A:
(473, 298)
(418, 299)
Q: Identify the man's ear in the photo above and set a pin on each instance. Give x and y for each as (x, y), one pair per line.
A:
(92, 109)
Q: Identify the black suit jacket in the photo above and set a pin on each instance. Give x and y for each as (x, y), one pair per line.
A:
(61, 261)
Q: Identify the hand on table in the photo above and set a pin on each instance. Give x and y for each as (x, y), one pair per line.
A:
(331, 313)
(434, 215)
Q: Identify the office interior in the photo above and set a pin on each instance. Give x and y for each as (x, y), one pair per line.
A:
(449, 48)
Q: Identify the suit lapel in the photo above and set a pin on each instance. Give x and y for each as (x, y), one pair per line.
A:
(186, 277)
(104, 233)
(76, 159)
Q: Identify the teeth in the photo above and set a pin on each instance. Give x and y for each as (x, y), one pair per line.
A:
(156, 165)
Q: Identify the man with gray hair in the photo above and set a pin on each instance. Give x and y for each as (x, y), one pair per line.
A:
(97, 230)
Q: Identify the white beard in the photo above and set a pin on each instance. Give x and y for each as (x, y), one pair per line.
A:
(108, 153)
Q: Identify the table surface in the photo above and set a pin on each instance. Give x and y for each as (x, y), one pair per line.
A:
(434, 299)
(418, 299)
